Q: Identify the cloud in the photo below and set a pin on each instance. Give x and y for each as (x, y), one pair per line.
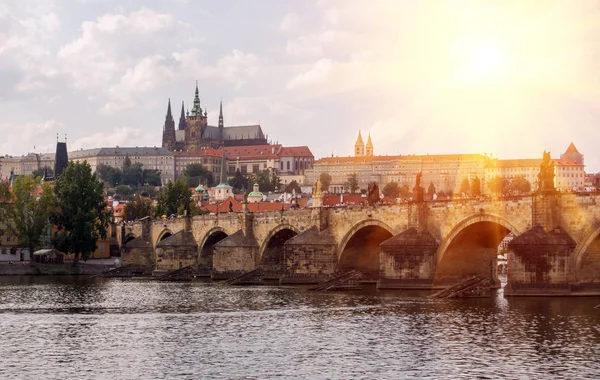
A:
(19, 138)
(118, 136)
(317, 74)
(290, 22)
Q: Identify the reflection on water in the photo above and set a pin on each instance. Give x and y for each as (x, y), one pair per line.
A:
(58, 328)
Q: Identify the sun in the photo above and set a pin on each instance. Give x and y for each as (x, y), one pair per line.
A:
(480, 62)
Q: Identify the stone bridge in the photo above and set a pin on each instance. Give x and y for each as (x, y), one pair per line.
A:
(556, 249)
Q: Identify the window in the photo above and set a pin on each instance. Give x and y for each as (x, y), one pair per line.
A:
(288, 165)
(244, 169)
(255, 168)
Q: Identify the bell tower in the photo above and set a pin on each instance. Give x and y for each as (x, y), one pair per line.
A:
(359, 146)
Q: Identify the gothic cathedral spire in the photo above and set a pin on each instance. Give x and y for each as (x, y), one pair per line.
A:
(182, 118)
(221, 124)
(359, 146)
(168, 139)
(196, 109)
(369, 146)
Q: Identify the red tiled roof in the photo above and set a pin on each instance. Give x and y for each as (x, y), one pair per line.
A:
(237, 206)
(251, 151)
(202, 153)
(571, 149)
(425, 158)
(296, 151)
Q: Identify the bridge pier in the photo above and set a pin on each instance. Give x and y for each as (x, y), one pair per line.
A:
(309, 257)
(540, 263)
(407, 260)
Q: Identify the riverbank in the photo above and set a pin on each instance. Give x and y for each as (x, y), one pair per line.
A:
(21, 268)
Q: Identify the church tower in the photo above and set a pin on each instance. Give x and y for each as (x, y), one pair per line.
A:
(369, 146)
(221, 123)
(359, 147)
(168, 139)
(182, 124)
(196, 123)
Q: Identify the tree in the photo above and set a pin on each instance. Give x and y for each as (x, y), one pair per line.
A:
(352, 183)
(431, 190)
(476, 187)
(405, 191)
(520, 185)
(125, 191)
(81, 214)
(43, 171)
(293, 186)
(391, 190)
(133, 175)
(325, 179)
(498, 185)
(239, 182)
(275, 182)
(465, 187)
(108, 174)
(197, 174)
(265, 181)
(151, 177)
(139, 208)
(174, 198)
(30, 212)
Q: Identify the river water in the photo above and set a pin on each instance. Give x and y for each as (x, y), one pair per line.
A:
(68, 328)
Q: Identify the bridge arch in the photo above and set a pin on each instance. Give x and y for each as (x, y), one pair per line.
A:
(588, 252)
(165, 233)
(129, 237)
(271, 250)
(471, 248)
(359, 248)
(207, 246)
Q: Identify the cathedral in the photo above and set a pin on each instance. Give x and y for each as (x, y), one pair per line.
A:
(193, 133)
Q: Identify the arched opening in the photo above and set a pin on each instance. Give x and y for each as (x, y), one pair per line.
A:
(129, 238)
(588, 265)
(471, 251)
(271, 259)
(361, 252)
(164, 235)
(205, 258)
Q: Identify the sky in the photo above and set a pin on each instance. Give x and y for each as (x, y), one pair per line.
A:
(506, 78)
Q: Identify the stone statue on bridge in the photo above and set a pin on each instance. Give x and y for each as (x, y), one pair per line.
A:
(418, 190)
(546, 174)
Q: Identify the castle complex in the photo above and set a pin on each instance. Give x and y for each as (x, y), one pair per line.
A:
(194, 134)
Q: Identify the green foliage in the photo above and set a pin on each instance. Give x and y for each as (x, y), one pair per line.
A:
(42, 171)
(29, 212)
(127, 163)
(352, 183)
(520, 185)
(133, 175)
(431, 190)
(391, 190)
(325, 179)
(108, 174)
(293, 186)
(81, 215)
(465, 187)
(239, 182)
(476, 187)
(139, 208)
(174, 198)
(151, 177)
(126, 191)
(197, 174)
(265, 180)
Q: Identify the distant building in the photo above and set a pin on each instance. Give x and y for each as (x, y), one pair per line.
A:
(25, 165)
(150, 157)
(194, 134)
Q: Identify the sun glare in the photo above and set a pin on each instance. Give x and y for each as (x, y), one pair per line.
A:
(482, 62)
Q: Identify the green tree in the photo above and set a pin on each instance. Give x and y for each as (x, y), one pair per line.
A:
(352, 183)
(391, 190)
(139, 208)
(197, 174)
(325, 179)
(108, 174)
(81, 214)
(431, 190)
(293, 186)
(29, 211)
(498, 185)
(520, 185)
(174, 198)
(264, 179)
(125, 191)
(405, 191)
(465, 187)
(43, 171)
(151, 177)
(133, 175)
(476, 187)
(239, 182)
(275, 182)
(127, 163)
